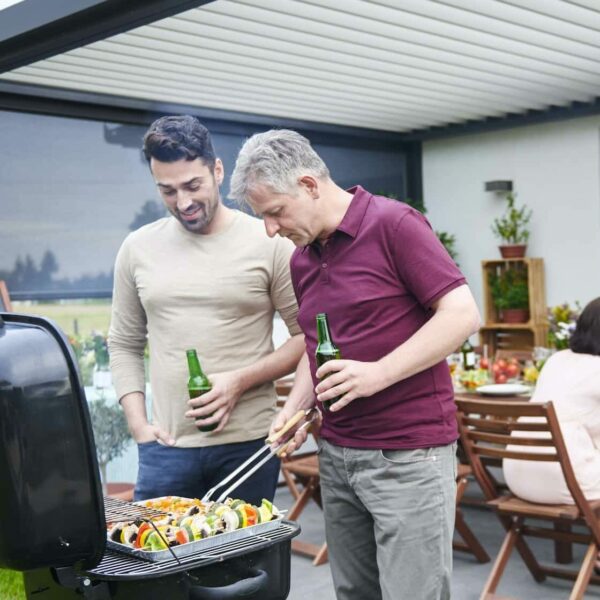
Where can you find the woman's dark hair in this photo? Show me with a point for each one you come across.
(182, 137)
(586, 337)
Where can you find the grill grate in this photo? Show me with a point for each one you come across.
(115, 565)
(120, 510)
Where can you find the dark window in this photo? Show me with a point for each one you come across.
(72, 189)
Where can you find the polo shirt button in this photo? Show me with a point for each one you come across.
(324, 265)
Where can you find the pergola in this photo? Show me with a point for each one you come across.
(407, 69)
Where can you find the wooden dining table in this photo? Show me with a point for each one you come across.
(466, 395)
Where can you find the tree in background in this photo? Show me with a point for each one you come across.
(151, 211)
(48, 266)
(27, 276)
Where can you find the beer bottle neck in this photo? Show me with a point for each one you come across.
(194, 364)
(323, 335)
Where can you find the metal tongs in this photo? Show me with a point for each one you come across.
(309, 414)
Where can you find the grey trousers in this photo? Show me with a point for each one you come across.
(389, 521)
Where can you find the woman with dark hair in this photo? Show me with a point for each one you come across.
(586, 337)
(571, 380)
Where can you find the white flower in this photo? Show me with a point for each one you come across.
(565, 330)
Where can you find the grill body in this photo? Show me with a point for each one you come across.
(51, 507)
(257, 569)
(52, 511)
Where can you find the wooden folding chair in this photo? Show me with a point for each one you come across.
(469, 542)
(485, 429)
(302, 477)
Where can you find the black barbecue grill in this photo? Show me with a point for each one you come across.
(52, 513)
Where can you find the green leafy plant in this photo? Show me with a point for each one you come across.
(110, 432)
(91, 351)
(511, 228)
(509, 289)
(100, 348)
(448, 240)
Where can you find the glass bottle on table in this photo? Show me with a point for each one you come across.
(198, 384)
(467, 353)
(326, 349)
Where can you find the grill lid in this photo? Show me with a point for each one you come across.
(51, 506)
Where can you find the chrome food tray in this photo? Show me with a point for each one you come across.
(199, 545)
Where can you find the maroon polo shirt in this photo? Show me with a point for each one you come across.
(376, 278)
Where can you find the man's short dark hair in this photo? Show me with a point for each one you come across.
(586, 337)
(175, 138)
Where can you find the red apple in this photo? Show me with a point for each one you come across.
(512, 370)
(500, 378)
(501, 363)
(484, 363)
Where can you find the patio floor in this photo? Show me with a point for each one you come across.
(469, 576)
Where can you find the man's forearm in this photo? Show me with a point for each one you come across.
(277, 364)
(302, 394)
(134, 407)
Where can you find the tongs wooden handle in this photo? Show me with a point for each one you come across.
(281, 450)
(287, 426)
(271, 452)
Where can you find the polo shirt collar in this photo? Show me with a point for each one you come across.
(356, 211)
(353, 218)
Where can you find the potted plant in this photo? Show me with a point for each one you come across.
(111, 434)
(511, 229)
(510, 293)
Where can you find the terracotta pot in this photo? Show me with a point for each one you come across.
(513, 250)
(514, 315)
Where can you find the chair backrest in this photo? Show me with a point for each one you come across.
(494, 428)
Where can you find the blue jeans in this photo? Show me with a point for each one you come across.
(389, 520)
(191, 472)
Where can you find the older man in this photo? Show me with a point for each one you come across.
(397, 306)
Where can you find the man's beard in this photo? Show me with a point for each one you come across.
(205, 216)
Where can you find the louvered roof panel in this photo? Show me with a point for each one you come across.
(393, 65)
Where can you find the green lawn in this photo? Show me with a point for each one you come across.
(11, 585)
(85, 315)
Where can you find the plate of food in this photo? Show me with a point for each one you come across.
(188, 525)
(503, 389)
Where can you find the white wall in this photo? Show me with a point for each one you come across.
(555, 169)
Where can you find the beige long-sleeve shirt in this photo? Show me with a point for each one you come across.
(216, 293)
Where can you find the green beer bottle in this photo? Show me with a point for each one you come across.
(326, 349)
(198, 384)
(467, 353)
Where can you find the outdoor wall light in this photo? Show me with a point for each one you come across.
(498, 186)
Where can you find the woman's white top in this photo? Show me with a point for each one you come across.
(572, 382)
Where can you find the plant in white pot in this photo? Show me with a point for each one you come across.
(512, 229)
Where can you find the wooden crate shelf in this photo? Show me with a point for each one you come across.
(515, 336)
